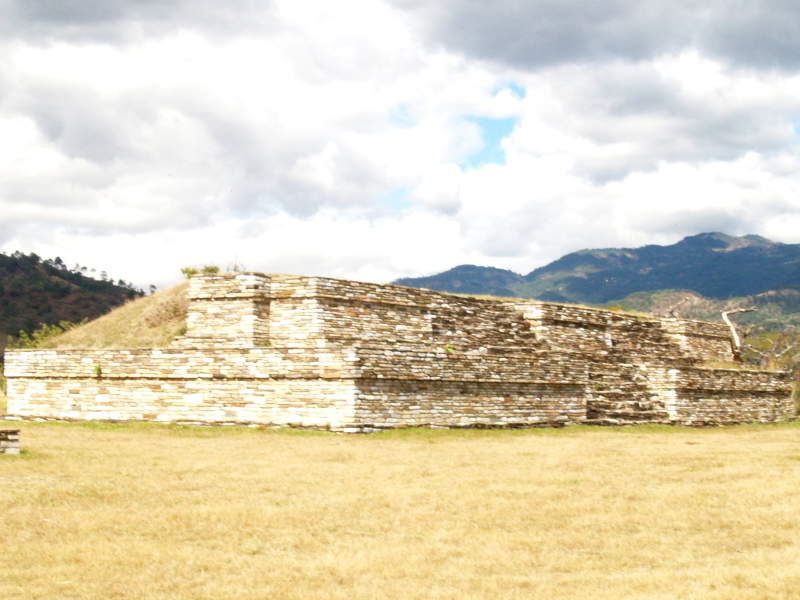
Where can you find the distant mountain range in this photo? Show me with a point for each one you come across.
(714, 265)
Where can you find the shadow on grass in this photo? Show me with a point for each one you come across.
(409, 433)
(23, 455)
(172, 429)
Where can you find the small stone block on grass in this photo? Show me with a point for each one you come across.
(9, 441)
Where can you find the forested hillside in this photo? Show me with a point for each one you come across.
(714, 265)
(469, 279)
(35, 291)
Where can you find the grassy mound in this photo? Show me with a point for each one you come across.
(149, 322)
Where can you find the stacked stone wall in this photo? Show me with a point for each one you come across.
(296, 319)
(624, 392)
(237, 386)
(446, 403)
(9, 441)
(318, 352)
(701, 341)
(352, 313)
(227, 311)
(688, 395)
(569, 328)
(703, 396)
(307, 386)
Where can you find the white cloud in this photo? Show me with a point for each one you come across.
(536, 33)
(138, 137)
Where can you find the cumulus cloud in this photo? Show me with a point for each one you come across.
(376, 139)
(131, 21)
(540, 33)
(619, 118)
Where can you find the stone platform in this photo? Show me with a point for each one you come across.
(349, 356)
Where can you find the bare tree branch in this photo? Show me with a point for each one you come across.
(753, 349)
(671, 310)
(736, 343)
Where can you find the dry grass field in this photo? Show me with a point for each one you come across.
(143, 511)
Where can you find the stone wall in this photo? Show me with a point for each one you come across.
(259, 385)
(9, 441)
(725, 396)
(698, 340)
(317, 352)
(230, 312)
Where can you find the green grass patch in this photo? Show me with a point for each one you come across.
(3, 388)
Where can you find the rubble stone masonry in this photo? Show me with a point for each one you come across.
(349, 356)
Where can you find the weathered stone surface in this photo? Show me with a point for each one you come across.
(9, 441)
(317, 352)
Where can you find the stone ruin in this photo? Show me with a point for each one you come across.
(9, 441)
(278, 350)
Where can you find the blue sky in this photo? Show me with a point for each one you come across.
(493, 132)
